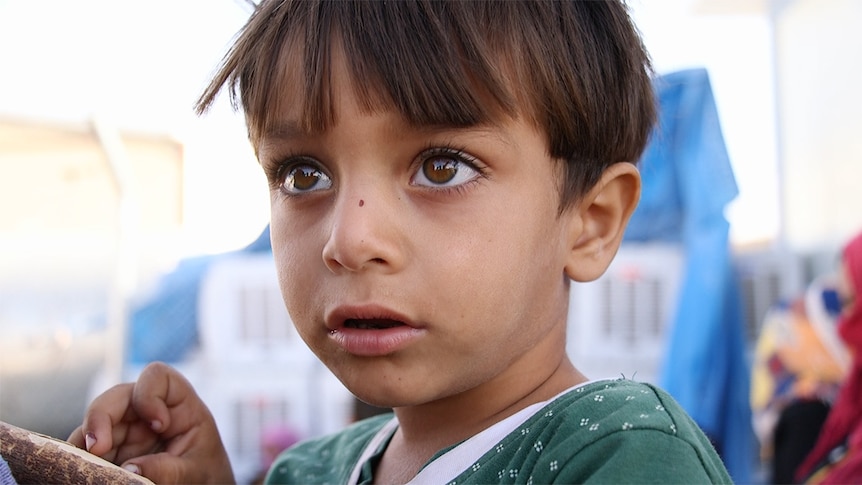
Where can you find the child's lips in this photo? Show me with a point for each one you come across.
(371, 331)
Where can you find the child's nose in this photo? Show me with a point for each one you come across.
(364, 233)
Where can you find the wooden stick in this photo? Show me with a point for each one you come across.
(36, 458)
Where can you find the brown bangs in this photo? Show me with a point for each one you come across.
(576, 69)
(427, 62)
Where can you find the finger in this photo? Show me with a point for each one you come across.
(167, 401)
(138, 440)
(164, 468)
(105, 413)
(77, 438)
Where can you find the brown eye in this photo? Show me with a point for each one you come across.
(440, 170)
(305, 178)
(443, 167)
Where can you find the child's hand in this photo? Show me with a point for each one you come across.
(157, 427)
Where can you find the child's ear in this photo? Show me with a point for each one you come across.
(599, 220)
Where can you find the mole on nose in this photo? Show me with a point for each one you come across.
(361, 202)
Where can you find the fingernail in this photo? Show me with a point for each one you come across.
(131, 467)
(156, 425)
(89, 440)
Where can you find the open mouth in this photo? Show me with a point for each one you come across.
(372, 323)
(372, 330)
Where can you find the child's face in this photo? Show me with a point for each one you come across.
(418, 263)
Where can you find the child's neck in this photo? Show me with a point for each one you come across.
(426, 429)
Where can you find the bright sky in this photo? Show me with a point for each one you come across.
(143, 63)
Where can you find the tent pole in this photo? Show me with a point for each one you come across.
(125, 270)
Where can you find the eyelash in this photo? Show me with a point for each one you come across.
(277, 171)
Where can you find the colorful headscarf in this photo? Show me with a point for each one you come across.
(850, 325)
(844, 424)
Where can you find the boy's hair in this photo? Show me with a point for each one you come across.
(576, 69)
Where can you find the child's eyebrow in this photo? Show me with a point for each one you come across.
(482, 130)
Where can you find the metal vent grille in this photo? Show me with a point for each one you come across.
(632, 310)
(617, 324)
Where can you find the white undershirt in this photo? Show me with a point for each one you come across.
(449, 465)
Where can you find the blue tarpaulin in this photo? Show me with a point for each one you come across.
(164, 326)
(687, 183)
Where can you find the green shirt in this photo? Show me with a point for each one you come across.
(617, 431)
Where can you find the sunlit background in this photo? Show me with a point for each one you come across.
(109, 179)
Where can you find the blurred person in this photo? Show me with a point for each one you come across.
(798, 367)
(837, 454)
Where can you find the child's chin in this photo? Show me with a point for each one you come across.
(384, 398)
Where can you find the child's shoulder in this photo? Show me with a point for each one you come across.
(615, 431)
(620, 398)
(603, 407)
